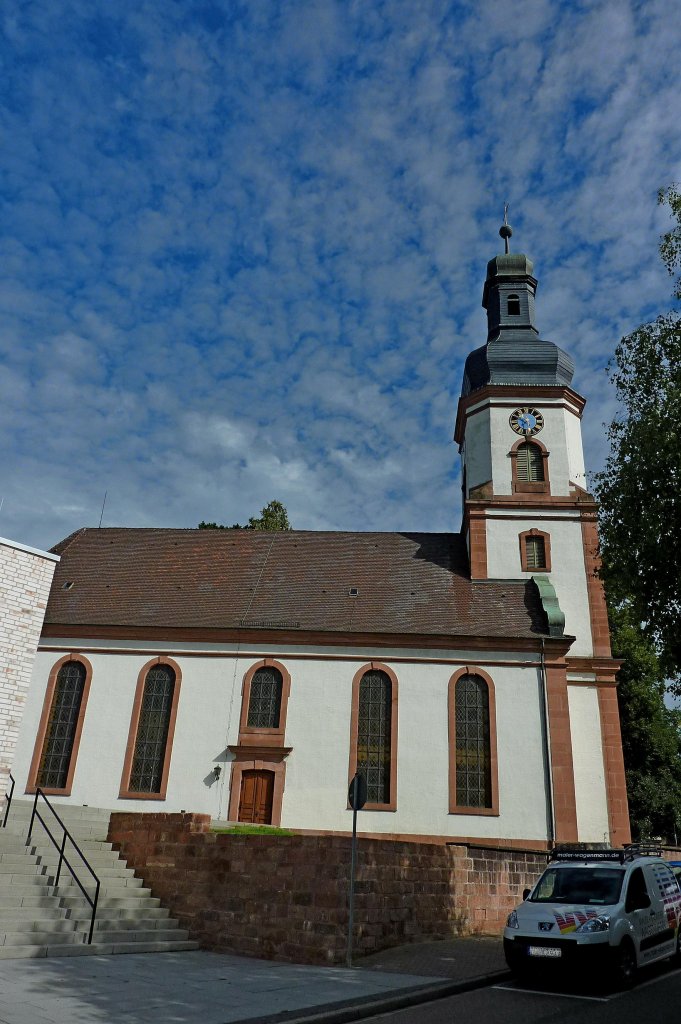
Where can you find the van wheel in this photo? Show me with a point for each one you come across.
(625, 964)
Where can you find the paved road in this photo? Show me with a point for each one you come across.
(655, 1000)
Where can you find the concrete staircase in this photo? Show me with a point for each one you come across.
(38, 919)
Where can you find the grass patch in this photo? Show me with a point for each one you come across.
(253, 830)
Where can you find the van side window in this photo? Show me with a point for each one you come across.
(636, 889)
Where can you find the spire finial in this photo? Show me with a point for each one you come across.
(506, 230)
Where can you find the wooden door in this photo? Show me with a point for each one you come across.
(255, 801)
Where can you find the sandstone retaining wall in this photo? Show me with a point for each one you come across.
(285, 897)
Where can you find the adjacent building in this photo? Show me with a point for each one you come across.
(25, 578)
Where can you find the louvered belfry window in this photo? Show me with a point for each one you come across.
(373, 734)
(264, 704)
(535, 549)
(530, 464)
(152, 731)
(473, 755)
(61, 726)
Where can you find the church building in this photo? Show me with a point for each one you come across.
(249, 675)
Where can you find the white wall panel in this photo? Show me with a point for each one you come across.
(587, 755)
(318, 730)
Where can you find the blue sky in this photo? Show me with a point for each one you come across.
(242, 245)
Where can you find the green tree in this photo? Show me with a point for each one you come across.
(651, 736)
(639, 490)
(670, 244)
(272, 517)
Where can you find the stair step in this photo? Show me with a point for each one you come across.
(27, 866)
(28, 900)
(96, 949)
(108, 873)
(132, 892)
(142, 911)
(49, 924)
(19, 856)
(34, 937)
(135, 924)
(128, 935)
(105, 859)
(114, 902)
(24, 809)
(33, 914)
(22, 883)
(89, 846)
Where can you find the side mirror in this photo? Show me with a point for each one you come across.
(643, 901)
(526, 893)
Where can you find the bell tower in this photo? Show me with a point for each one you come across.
(526, 507)
(527, 514)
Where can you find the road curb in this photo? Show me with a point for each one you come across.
(370, 1006)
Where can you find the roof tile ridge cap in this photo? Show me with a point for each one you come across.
(62, 545)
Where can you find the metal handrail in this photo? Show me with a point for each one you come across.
(63, 858)
(8, 798)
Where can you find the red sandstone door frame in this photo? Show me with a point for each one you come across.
(253, 759)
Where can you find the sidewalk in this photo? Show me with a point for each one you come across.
(212, 988)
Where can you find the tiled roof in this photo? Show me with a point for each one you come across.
(407, 583)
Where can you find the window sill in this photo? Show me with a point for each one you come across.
(127, 795)
(531, 487)
(489, 812)
(32, 790)
(377, 807)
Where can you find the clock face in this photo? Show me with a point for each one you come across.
(526, 421)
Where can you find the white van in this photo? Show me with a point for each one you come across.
(597, 909)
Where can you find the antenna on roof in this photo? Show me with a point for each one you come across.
(102, 515)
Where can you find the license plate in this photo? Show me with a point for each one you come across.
(550, 951)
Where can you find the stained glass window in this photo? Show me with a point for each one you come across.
(61, 726)
(152, 730)
(473, 761)
(264, 705)
(530, 464)
(373, 734)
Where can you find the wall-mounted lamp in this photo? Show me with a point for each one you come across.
(217, 771)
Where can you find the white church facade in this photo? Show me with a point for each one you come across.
(249, 675)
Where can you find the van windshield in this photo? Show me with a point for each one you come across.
(578, 885)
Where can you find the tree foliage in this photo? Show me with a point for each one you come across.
(272, 517)
(651, 736)
(639, 489)
(670, 244)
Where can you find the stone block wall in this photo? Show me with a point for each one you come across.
(25, 579)
(285, 897)
(489, 883)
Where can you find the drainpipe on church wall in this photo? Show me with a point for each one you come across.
(546, 737)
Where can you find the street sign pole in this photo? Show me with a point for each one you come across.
(353, 861)
(357, 796)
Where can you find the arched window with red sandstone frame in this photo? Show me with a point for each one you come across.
(473, 781)
(373, 734)
(56, 749)
(152, 728)
(530, 467)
